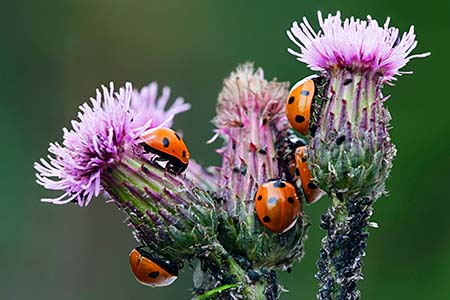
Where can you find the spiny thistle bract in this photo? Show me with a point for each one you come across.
(351, 152)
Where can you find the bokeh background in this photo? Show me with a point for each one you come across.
(54, 54)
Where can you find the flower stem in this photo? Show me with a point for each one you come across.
(340, 262)
(213, 292)
(225, 278)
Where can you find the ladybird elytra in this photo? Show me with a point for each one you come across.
(312, 192)
(148, 272)
(167, 145)
(299, 103)
(277, 205)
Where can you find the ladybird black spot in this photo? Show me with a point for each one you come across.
(154, 274)
(178, 136)
(299, 119)
(272, 201)
(266, 219)
(305, 92)
(184, 153)
(291, 100)
(297, 172)
(279, 184)
(348, 81)
(259, 197)
(340, 139)
(290, 200)
(165, 142)
(312, 186)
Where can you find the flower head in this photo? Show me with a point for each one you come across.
(93, 144)
(251, 119)
(359, 45)
(250, 116)
(110, 124)
(248, 96)
(147, 106)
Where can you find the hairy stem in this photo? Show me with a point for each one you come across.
(340, 262)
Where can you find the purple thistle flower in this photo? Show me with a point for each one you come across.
(356, 44)
(148, 107)
(351, 152)
(108, 126)
(94, 143)
(102, 151)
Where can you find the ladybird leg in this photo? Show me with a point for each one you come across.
(176, 168)
(155, 161)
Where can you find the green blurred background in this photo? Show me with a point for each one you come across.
(55, 53)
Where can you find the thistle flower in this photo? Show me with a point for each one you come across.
(93, 145)
(351, 152)
(148, 106)
(250, 118)
(358, 45)
(102, 152)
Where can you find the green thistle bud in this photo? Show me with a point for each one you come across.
(351, 153)
(168, 213)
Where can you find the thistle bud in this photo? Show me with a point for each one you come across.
(250, 119)
(351, 153)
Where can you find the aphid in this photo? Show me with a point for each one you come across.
(277, 205)
(301, 103)
(168, 146)
(149, 272)
(312, 192)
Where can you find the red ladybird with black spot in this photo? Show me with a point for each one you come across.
(312, 192)
(300, 103)
(149, 272)
(277, 205)
(168, 146)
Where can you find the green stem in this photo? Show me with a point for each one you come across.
(226, 279)
(211, 293)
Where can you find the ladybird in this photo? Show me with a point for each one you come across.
(312, 192)
(168, 146)
(300, 101)
(150, 273)
(277, 205)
